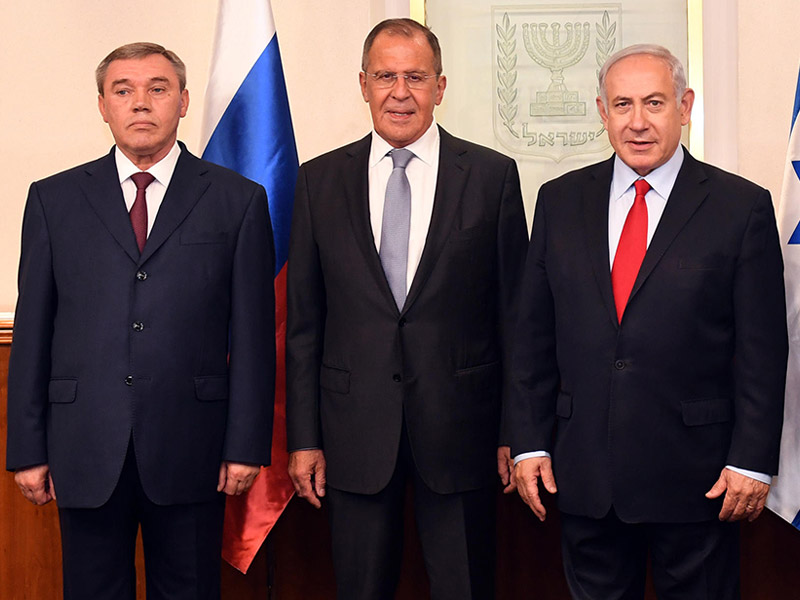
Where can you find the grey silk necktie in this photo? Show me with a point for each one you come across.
(397, 225)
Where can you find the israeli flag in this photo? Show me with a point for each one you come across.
(784, 497)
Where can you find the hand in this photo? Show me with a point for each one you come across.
(745, 497)
(527, 473)
(505, 468)
(307, 470)
(236, 478)
(36, 484)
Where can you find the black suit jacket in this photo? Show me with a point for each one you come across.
(357, 367)
(83, 380)
(648, 412)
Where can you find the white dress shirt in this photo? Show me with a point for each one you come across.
(620, 201)
(162, 171)
(422, 172)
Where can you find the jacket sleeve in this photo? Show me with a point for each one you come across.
(248, 435)
(761, 350)
(305, 325)
(512, 241)
(535, 376)
(29, 365)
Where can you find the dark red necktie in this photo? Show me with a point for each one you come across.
(139, 208)
(631, 249)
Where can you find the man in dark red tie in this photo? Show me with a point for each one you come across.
(141, 375)
(651, 349)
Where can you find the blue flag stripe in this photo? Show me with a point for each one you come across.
(255, 138)
(796, 107)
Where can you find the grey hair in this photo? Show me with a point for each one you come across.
(406, 28)
(675, 67)
(139, 50)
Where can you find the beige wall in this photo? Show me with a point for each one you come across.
(48, 102)
(769, 51)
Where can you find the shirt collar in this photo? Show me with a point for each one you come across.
(425, 148)
(162, 170)
(661, 179)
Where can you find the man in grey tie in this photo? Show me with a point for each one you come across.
(405, 256)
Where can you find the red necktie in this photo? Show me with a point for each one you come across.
(139, 208)
(631, 249)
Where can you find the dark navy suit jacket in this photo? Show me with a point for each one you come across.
(110, 345)
(647, 412)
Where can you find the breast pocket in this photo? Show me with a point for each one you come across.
(189, 238)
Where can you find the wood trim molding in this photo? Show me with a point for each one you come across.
(6, 327)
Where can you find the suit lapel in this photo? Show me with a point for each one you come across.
(102, 189)
(450, 183)
(595, 212)
(186, 187)
(356, 192)
(688, 193)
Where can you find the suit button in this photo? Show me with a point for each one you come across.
(141, 275)
(619, 365)
(129, 380)
(396, 378)
(138, 326)
(402, 322)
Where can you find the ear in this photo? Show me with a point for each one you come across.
(184, 102)
(101, 104)
(601, 108)
(441, 84)
(362, 80)
(685, 107)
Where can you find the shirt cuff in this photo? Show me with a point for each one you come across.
(527, 455)
(762, 477)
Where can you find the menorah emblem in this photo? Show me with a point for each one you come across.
(556, 56)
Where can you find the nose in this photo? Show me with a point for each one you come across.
(141, 100)
(638, 120)
(400, 89)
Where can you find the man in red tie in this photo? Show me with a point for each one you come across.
(650, 359)
(142, 368)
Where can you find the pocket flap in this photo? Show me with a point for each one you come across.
(62, 391)
(209, 389)
(706, 412)
(335, 380)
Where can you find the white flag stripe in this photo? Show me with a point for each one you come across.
(234, 55)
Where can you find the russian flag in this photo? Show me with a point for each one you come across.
(247, 128)
(784, 497)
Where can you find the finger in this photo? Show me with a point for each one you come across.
(512, 483)
(732, 508)
(720, 485)
(502, 471)
(223, 477)
(303, 487)
(548, 478)
(529, 491)
(52, 488)
(248, 483)
(756, 513)
(319, 481)
(39, 496)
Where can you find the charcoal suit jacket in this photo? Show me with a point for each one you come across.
(358, 367)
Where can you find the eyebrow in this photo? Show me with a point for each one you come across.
(654, 95)
(128, 81)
